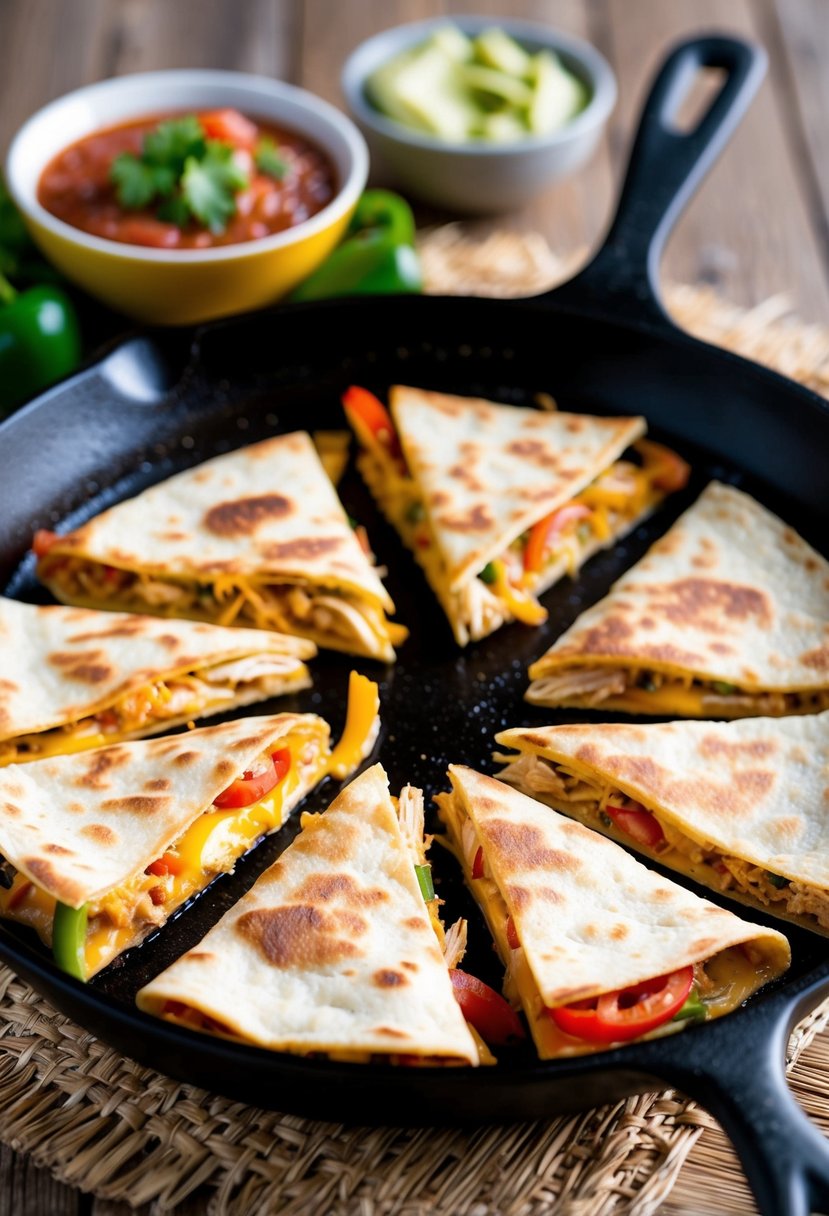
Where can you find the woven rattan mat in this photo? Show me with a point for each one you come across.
(106, 1125)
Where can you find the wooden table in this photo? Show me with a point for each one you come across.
(759, 225)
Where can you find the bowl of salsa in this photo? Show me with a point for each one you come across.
(179, 196)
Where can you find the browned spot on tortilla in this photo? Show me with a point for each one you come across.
(661, 893)
(200, 956)
(158, 783)
(299, 935)
(388, 979)
(520, 897)
(323, 888)
(535, 451)
(535, 740)
(734, 796)
(172, 536)
(95, 775)
(135, 804)
(818, 659)
(703, 561)
(574, 425)
(721, 648)
(439, 499)
(704, 945)
(122, 629)
(478, 519)
(224, 767)
(245, 515)
(619, 932)
(389, 1032)
(169, 641)
(304, 548)
(240, 745)
(701, 602)
(45, 875)
(185, 759)
(753, 749)
(409, 965)
(90, 673)
(12, 809)
(522, 846)
(77, 808)
(57, 849)
(412, 922)
(99, 832)
(8, 686)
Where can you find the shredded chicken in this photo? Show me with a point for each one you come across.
(591, 685)
(410, 815)
(454, 944)
(539, 776)
(250, 669)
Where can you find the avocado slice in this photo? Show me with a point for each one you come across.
(495, 49)
(503, 127)
(422, 89)
(497, 86)
(557, 97)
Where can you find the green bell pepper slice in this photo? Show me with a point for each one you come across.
(39, 341)
(377, 257)
(424, 881)
(69, 939)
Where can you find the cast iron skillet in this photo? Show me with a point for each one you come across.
(162, 401)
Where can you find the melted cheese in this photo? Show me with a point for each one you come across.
(669, 699)
(361, 716)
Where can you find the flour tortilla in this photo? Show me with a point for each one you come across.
(488, 472)
(332, 950)
(80, 826)
(730, 593)
(61, 665)
(265, 513)
(589, 917)
(756, 789)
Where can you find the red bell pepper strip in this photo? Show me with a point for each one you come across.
(542, 533)
(370, 417)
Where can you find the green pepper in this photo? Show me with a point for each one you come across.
(694, 1009)
(69, 939)
(777, 880)
(415, 512)
(724, 689)
(377, 257)
(489, 574)
(424, 878)
(39, 341)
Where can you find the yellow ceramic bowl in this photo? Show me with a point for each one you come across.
(179, 287)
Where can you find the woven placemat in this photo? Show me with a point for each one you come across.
(122, 1132)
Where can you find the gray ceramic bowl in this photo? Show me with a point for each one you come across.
(480, 177)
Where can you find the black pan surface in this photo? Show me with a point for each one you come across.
(160, 402)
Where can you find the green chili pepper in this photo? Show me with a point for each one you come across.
(39, 341)
(648, 684)
(69, 939)
(424, 878)
(694, 1009)
(377, 257)
(724, 689)
(488, 574)
(415, 512)
(777, 880)
(605, 819)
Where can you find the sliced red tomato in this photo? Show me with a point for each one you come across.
(167, 863)
(542, 534)
(43, 541)
(229, 126)
(636, 822)
(512, 934)
(494, 1019)
(368, 414)
(252, 786)
(668, 471)
(478, 864)
(628, 1013)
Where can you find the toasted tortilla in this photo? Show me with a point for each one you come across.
(478, 476)
(255, 537)
(84, 828)
(331, 951)
(742, 805)
(589, 918)
(730, 595)
(63, 667)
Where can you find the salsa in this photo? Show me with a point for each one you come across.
(271, 179)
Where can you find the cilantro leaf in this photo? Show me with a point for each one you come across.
(173, 141)
(174, 210)
(208, 186)
(268, 159)
(135, 182)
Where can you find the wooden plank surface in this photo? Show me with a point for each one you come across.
(759, 226)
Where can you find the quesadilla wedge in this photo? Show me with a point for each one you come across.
(727, 616)
(334, 950)
(497, 502)
(598, 949)
(742, 807)
(100, 849)
(73, 678)
(257, 537)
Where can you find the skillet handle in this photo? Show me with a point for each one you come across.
(666, 166)
(739, 1076)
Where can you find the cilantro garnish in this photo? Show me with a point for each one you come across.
(268, 160)
(188, 175)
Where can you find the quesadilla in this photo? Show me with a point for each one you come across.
(742, 807)
(598, 949)
(497, 502)
(73, 678)
(100, 849)
(726, 616)
(334, 949)
(257, 537)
